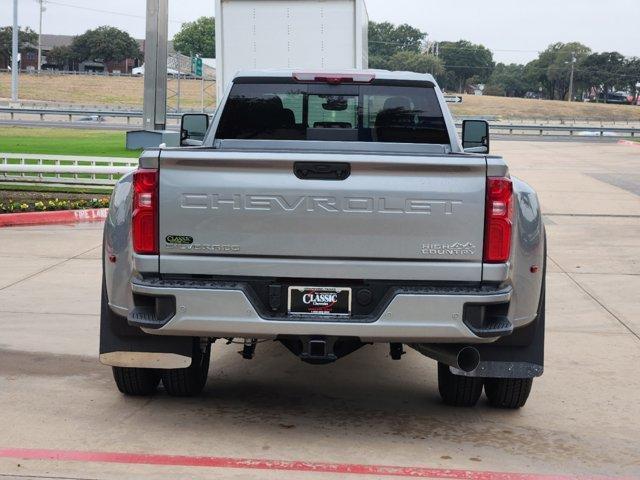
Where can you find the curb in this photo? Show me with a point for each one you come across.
(338, 470)
(49, 218)
(628, 143)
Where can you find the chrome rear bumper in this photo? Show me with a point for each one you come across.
(226, 311)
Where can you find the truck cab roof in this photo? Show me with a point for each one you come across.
(376, 74)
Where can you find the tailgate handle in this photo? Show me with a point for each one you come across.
(321, 171)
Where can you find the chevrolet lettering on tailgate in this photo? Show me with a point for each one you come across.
(311, 204)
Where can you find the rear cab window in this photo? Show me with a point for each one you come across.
(275, 109)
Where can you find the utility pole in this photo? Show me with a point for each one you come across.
(155, 65)
(154, 133)
(41, 2)
(179, 75)
(202, 90)
(14, 54)
(573, 65)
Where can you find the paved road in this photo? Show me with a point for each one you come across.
(582, 417)
(89, 125)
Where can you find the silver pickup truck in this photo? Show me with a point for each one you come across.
(327, 212)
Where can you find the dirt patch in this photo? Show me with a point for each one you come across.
(530, 109)
(100, 90)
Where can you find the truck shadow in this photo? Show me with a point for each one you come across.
(279, 402)
(365, 395)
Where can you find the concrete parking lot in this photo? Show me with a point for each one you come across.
(582, 417)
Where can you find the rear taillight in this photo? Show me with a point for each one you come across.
(498, 220)
(144, 223)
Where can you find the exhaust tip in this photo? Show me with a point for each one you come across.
(468, 359)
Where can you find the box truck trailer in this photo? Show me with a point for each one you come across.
(300, 34)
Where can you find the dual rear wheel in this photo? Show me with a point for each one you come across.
(455, 390)
(178, 382)
(460, 391)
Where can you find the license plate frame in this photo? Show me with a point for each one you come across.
(322, 304)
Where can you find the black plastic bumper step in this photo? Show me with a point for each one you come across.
(147, 317)
(143, 317)
(498, 326)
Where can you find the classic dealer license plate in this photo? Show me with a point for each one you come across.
(319, 301)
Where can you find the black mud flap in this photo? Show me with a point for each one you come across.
(519, 355)
(509, 359)
(116, 335)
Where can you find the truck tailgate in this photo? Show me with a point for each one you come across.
(239, 205)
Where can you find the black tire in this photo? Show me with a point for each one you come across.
(136, 381)
(458, 391)
(508, 393)
(188, 382)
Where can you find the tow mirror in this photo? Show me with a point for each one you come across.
(193, 128)
(475, 136)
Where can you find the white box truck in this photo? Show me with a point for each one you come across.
(301, 34)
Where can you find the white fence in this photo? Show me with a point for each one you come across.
(63, 169)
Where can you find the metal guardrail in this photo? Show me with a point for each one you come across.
(511, 128)
(71, 113)
(63, 169)
(172, 63)
(558, 121)
(540, 129)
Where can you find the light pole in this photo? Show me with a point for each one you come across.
(41, 2)
(155, 65)
(14, 54)
(573, 64)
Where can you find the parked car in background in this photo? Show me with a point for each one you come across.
(139, 72)
(619, 98)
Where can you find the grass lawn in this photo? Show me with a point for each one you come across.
(62, 141)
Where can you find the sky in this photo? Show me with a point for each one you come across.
(515, 30)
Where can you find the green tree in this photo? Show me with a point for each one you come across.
(62, 57)
(559, 72)
(105, 44)
(535, 75)
(27, 38)
(197, 38)
(632, 75)
(416, 62)
(509, 80)
(463, 60)
(552, 68)
(387, 39)
(605, 71)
